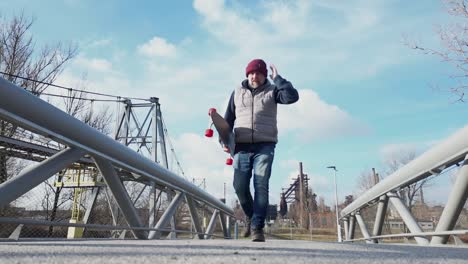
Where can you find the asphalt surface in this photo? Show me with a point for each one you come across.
(220, 251)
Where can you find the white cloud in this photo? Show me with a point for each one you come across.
(289, 163)
(238, 33)
(93, 64)
(390, 151)
(212, 9)
(100, 43)
(312, 119)
(203, 158)
(230, 26)
(158, 47)
(324, 38)
(96, 74)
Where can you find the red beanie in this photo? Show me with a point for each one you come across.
(257, 65)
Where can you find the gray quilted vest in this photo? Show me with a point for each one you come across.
(255, 115)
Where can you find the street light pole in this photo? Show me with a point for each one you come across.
(338, 226)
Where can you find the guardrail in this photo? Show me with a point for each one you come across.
(21, 108)
(450, 152)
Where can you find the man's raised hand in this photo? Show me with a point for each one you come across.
(274, 71)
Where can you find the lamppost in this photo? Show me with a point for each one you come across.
(338, 227)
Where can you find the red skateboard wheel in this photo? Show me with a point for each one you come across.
(209, 132)
(229, 161)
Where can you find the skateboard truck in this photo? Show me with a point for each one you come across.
(209, 131)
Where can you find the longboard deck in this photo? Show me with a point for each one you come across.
(224, 131)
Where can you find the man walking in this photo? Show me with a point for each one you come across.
(252, 114)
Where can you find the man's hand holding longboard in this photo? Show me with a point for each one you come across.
(226, 136)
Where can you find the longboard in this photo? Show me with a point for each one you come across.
(224, 130)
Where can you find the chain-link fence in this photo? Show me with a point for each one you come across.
(76, 202)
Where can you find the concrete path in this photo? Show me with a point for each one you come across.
(220, 251)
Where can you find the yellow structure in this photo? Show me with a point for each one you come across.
(79, 179)
(75, 232)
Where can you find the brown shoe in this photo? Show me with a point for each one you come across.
(246, 232)
(258, 235)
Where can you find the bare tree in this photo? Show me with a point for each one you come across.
(79, 106)
(348, 200)
(75, 104)
(365, 182)
(20, 57)
(410, 193)
(455, 51)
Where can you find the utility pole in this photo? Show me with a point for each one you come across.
(301, 196)
(338, 227)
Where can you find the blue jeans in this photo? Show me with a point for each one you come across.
(256, 158)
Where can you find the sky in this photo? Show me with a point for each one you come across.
(365, 96)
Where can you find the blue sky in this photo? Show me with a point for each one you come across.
(364, 94)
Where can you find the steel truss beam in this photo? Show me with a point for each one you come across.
(380, 217)
(49, 121)
(449, 152)
(193, 214)
(33, 176)
(211, 226)
(363, 227)
(120, 195)
(166, 217)
(455, 203)
(407, 217)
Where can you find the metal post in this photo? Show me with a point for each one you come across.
(212, 224)
(310, 225)
(407, 217)
(301, 196)
(380, 217)
(30, 178)
(162, 139)
(194, 215)
(16, 233)
(166, 217)
(170, 195)
(222, 221)
(128, 110)
(154, 157)
(363, 227)
(120, 195)
(229, 226)
(346, 228)
(162, 145)
(455, 203)
(338, 227)
(352, 226)
(236, 230)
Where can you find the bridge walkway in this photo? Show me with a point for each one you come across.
(221, 251)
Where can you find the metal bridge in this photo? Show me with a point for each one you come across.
(114, 161)
(68, 144)
(449, 153)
